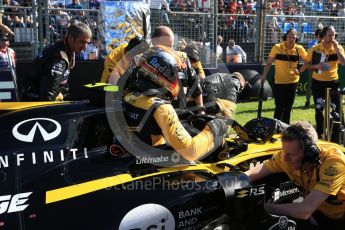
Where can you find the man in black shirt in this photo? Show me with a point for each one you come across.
(53, 65)
(220, 92)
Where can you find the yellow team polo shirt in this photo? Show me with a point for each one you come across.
(331, 58)
(328, 178)
(115, 61)
(199, 69)
(286, 62)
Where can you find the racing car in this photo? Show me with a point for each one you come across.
(60, 168)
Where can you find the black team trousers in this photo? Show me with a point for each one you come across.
(319, 91)
(284, 95)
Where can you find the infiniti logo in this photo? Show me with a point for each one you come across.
(30, 136)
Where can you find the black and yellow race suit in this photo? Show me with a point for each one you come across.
(156, 123)
(116, 62)
(52, 69)
(187, 76)
(220, 92)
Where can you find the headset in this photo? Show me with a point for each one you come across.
(311, 151)
(325, 29)
(287, 32)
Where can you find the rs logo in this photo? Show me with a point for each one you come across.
(14, 204)
(256, 191)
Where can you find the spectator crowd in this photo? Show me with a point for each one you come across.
(18, 16)
(236, 19)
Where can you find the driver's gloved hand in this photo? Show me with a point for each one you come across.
(218, 127)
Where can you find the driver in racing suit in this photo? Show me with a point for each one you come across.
(188, 78)
(148, 105)
(318, 171)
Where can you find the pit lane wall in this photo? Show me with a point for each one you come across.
(86, 72)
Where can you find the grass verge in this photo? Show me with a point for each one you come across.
(249, 110)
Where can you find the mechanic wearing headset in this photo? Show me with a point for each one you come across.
(151, 116)
(118, 60)
(320, 172)
(286, 57)
(220, 91)
(325, 74)
(54, 63)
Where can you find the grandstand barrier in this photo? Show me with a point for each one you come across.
(202, 25)
(91, 71)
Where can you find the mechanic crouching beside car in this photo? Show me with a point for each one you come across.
(220, 91)
(53, 65)
(319, 172)
(150, 115)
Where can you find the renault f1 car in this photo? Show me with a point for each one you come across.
(61, 169)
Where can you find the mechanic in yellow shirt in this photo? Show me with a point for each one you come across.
(286, 56)
(118, 60)
(320, 172)
(325, 74)
(150, 115)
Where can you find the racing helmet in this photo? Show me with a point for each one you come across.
(158, 72)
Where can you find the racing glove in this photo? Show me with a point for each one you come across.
(219, 128)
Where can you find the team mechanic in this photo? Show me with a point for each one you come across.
(151, 116)
(325, 74)
(54, 63)
(319, 172)
(220, 91)
(118, 60)
(286, 57)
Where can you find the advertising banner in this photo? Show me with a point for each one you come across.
(123, 20)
